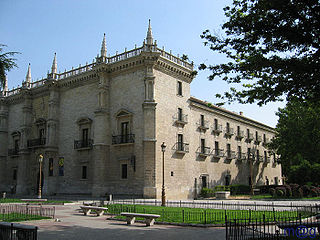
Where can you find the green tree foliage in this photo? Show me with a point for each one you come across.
(273, 50)
(298, 141)
(6, 64)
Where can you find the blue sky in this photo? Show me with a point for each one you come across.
(74, 30)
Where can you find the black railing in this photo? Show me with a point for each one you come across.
(13, 152)
(11, 212)
(36, 142)
(121, 139)
(230, 154)
(15, 231)
(181, 118)
(204, 151)
(181, 147)
(278, 229)
(226, 205)
(218, 152)
(79, 144)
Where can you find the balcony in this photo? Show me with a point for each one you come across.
(265, 142)
(241, 156)
(217, 129)
(239, 135)
(38, 142)
(259, 158)
(203, 125)
(249, 137)
(266, 159)
(258, 140)
(218, 153)
(83, 144)
(182, 148)
(229, 132)
(181, 119)
(123, 139)
(13, 152)
(203, 151)
(230, 155)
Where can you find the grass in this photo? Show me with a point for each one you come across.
(202, 216)
(15, 200)
(18, 217)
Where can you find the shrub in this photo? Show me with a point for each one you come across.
(300, 193)
(272, 191)
(280, 192)
(314, 192)
(306, 190)
(206, 192)
(288, 190)
(239, 189)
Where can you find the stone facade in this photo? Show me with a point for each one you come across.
(100, 128)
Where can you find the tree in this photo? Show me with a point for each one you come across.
(272, 48)
(297, 141)
(6, 64)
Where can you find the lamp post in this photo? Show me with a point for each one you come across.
(163, 194)
(252, 158)
(40, 170)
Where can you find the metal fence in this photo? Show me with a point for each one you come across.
(228, 205)
(18, 212)
(14, 231)
(205, 216)
(283, 228)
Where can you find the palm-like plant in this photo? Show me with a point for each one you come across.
(6, 64)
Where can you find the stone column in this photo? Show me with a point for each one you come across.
(23, 178)
(102, 137)
(3, 143)
(149, 134)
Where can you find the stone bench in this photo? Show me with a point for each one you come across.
(131, 217)
(99, 210)
(222, 194)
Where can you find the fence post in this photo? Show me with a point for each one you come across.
(183, 215)
(264, 225)
(205, 217)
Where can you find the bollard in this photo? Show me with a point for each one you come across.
(4, 195)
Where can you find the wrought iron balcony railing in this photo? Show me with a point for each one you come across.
(181, 118)
(13, 152)
(249, 137)
(204, 151)
(229, 132)
(218, 152)
(181, 147)
(203, 125)
(38, 142)
(217, 129)
(258, 139)
(241, 156)
(240, 135)
(80, 144)
(122, 139)
(230, 154)
(266, 159)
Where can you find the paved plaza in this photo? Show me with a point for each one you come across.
(74, 225)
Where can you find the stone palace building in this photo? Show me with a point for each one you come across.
(100, 128)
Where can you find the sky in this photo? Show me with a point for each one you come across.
(74, 30)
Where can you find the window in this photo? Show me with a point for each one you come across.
(264, 138)
(227, 179)
(16, 145)
(248, 152)
(84, 172)
(180, 142)
(248, 133)
(216, 148)
(50, 167)
(124, 171)
(179, 88)
(228, 149)
(215, 124)
(180, 114)
(85, 136)
(203, 145)
(258, 155)
(42, 133)
(204, 181)
(202, 120)
(14, 175)
(124, 132)
(256, 136)
(228, 127)
(61, 166)
(265, 156)
(238, 130)
(239, 150)
(276, 181)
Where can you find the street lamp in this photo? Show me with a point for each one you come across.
(163, 195)
(251, 159)
(40, 170)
